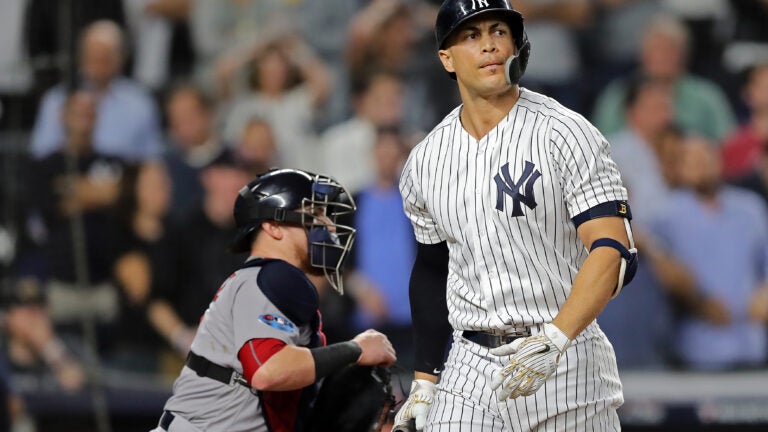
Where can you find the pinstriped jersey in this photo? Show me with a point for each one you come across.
(504, 205)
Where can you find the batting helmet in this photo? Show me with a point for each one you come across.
(296, 197)
(453, 13)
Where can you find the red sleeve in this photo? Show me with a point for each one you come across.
(320, 333)
(255, 353)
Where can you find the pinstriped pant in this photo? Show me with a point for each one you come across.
(581, 396)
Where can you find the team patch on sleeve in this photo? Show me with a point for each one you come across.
(278, 322)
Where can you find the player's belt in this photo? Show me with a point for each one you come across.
(206, 368)
(166, 419)
(492, 340)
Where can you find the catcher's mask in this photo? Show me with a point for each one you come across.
(301, 198)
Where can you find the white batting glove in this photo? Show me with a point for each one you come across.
(534, 359)
(417, 405)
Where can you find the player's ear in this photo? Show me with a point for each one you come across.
(272, 229)
(447, 60)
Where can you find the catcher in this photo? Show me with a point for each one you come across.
(259, 351)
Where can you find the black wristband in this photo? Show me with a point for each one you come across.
(329, 359)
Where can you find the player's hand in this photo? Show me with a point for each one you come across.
(182, 340)
(758, 305)
(534, 359)
(377, 350)
(714, 311)
(417, 405)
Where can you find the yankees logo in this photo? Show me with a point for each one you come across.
(506, 186)
(479, 3)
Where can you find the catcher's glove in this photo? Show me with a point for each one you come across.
(355, 399)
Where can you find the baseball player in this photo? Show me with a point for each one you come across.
(259, 349)
(524, 236)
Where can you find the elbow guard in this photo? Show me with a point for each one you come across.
(628, 265)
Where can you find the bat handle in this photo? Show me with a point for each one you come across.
(410, 426)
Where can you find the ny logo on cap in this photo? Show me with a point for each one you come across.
(506, 186)
(479, 3)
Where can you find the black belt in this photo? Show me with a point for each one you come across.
(166, 419)
(490, 340)
(206, 368)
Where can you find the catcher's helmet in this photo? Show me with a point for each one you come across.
(453, 13)
(295, 197)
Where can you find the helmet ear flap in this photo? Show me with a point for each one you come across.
(515, 66)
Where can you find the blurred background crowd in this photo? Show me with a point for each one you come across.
(128, 127)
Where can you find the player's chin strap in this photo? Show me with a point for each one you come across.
(628, 265)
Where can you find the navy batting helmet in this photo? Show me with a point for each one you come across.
(297, 197)
(453, 13)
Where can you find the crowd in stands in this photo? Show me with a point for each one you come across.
(141, 120)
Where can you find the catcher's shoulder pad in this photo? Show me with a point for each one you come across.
(288, 288)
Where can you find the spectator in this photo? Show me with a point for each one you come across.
(288, 84)
(193, 265)
(256, 150)
(613, 43)
(756, 180)
(721, 235)
(705, 21)
(142, 214)
(193, 144)
(378, 103)
(749, 39)
(324, 26)
(638, 342)
(384, 249)
(649, 109)
(13, 415)
(396, 36)
(670, 150)
(744, 149)
(700, 106)
(225, 32)
(72, 183)
(382, 37)
(551, 26)
(154, 27)
(15, 73)
(31, 337)
(50, 38)
(73, 187)
(127, 124)
(619, 31)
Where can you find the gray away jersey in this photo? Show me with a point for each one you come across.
(504, 205)
(238, 313)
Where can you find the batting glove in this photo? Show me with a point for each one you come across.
(534, 359)
(417, 405)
